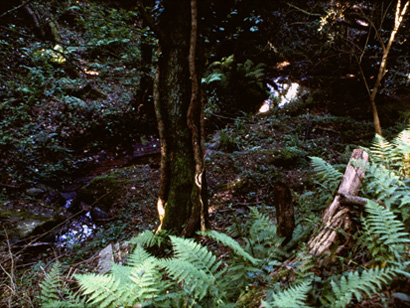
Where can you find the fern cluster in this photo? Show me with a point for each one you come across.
(194, 276)
(55, 293)
(387, 175)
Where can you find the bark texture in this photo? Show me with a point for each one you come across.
(178, 105)
(284, 212)
(336, 215)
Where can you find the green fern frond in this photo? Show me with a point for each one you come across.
(263, 237)
(293, 297)
(55, 295)
(382, 226)
(262, 227)
(231, 243)
(192, 252)
(383, 184)
(121, 273)
(328, 176)
(385, 153)
(196, 282)
(103, 290)
(402, 141)
(148, 282)
(149, 239)
(138, 256)
(49, 286)
(356, 284)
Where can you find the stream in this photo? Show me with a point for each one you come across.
(80, 224)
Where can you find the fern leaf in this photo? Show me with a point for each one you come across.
(384, 152)
(190, 251)
(293, 297)
(387, 228)
(149, 239)
(263, 237)
(148, 282)
(231, 243)
(138, 256)
(196, 282)
(54, 294)
(49, 286)
(326, 173)
(121, 273)
(104, 290)
(356, 284)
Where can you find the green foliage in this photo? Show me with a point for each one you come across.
(234, 86)
(231, 243)
(358, 283)
(328, 176)
(55, 293)
(386, 176)
(384, 234)
(292, 297)
(193, 274)
(328, 179)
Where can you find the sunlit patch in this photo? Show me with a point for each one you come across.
(283, 93)
(91, 73)
(282, 65)
(362, 23)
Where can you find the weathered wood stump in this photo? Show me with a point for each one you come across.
(336, 215)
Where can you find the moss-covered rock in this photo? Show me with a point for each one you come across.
(20, 225)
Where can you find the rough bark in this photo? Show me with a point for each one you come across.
(179, 112)
(336, 215)
(284, 212)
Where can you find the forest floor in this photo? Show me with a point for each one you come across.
(244, 159)
(50, 127)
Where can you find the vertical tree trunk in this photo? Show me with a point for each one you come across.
(399, 14)
(179, 114)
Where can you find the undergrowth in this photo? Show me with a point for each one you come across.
(194, 274)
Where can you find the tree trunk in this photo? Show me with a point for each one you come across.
(181, 206)
(337, 216)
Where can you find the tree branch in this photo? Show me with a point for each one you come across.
(149, 20)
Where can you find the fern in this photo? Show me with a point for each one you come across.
(263, 240)
(194, 265)
(49, 286)
(328, 176)
(103, 290)
(395, 155)
(231, 243)
(384, 232)
(293, 297)
(384, 152)
(148, 282)
(55, 294)
(356, 284)
(149, 239)
(138, 256)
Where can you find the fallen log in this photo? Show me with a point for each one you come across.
(336, 215)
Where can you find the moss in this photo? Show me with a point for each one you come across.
(19, 225)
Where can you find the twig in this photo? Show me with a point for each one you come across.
(16, 8)
(12, 286)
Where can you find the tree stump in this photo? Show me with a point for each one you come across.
(284, 212)
(336, 215)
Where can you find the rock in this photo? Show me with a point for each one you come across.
(20, 225)
(106, 259)
(35, 191)
(98, 214)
